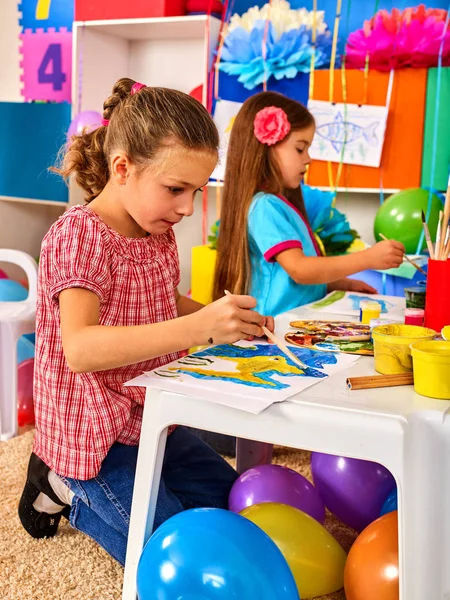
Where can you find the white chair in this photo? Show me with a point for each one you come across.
(16, 319)
(408, 434)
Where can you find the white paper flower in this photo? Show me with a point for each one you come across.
(282, 17)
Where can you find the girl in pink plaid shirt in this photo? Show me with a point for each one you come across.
(108, 309)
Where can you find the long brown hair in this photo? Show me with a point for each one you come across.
(139, 124)
(250, 168)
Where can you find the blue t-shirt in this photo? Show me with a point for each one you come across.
(274, 225)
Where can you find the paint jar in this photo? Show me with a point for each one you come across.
(369, 310)
(415, 296)
(392, 346)
(375, 322)
(414, 316)
(431, 366)
(437, 304)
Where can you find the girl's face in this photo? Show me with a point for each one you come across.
(292, 156)
(160, 195)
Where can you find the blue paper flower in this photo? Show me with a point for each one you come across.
(242, 53)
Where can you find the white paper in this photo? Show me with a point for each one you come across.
(224, 115)
(356, 130)
(348, 303)
(245, 376)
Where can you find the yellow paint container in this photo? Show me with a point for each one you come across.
(431, 361)
(391, 344)
(369, 310)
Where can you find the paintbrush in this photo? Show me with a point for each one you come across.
(445, 223)
(438, 237)
(427, 236)
(411, 262)
(281, 345)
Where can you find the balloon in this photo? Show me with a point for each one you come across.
(274, 483)
(87, 118)
(25, 349)
(390, 504)
(212, 554)
(3, 275)
(25, 406)
(400, 217)
(371, 572)
(354, 490)
(12, 291)
(314, 556)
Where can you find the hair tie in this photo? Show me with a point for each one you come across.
(105, 122)
(136, 87)
(271, 125)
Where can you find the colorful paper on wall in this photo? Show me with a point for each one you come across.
(245, 376)
(224, 115)
(30, 137)
(401, 159)
(442, 150)
(351, 133)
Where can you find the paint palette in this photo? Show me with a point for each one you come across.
(332, 336)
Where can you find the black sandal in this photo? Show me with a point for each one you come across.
(39, 524)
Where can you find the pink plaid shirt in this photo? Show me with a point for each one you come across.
(80, 415)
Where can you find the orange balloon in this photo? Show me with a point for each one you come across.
(371, 571)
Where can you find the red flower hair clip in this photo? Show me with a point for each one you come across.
(271, 125)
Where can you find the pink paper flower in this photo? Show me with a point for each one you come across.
(271, 125)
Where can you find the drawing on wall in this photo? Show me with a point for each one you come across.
(331, 336)
(247, 376)
(349, 132)
(348, 303)
(224, 114)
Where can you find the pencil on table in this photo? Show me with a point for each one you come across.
(379, 381)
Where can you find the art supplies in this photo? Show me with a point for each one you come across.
(431, 361)
(437, 303)
(246, 376)
(441, 249)
(427, 236)
(415, 296)
(369, 310)
(379, 381)
(348, 303)
(331, 336)
(414, 316)
(405, 257)
(392, 346)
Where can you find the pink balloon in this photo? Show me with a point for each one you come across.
(25, 406)
(3, 275)
(88, 118)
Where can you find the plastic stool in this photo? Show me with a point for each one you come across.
(16, 319)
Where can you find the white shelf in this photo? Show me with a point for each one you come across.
(160, 28)
(33, 201)
(340, 190)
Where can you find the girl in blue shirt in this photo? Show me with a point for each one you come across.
(266, 247)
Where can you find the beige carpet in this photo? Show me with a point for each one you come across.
(70, 565)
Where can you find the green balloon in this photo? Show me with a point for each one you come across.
(400, 217)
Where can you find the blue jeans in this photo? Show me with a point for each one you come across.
(193, 475)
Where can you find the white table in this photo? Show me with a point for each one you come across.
(407, 433)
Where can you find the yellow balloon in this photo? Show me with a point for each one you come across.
(316, 559)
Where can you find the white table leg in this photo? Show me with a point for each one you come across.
(250, 453)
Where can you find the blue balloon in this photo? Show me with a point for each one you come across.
(25, 349)
(213, 554)
(12, 291)
(390, 504)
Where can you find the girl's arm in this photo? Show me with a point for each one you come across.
(186, 306)
(351, 285)
(326, 269)
(90, 347)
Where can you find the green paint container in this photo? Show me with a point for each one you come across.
(415, 297)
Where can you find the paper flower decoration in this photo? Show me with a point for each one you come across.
(396, 39)
(329, 225)
(287, 41)
(271, 125)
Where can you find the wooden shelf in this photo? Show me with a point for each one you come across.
(176, 28)
(340, 190)
(34, 201)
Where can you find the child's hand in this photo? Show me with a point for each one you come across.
(386, 255)
(355, 285)
(227, 320)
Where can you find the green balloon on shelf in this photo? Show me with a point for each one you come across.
(400, 217)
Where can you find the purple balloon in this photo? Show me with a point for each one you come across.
(274, 483)
(87, 118)
(354, 490)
